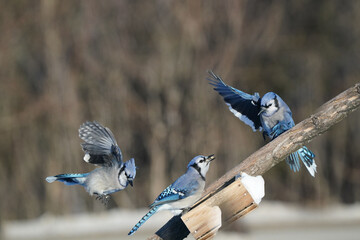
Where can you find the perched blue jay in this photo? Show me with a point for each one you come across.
(183, 193)
(269, 114)
(100, 148)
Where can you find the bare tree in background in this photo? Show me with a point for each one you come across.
(139, 67)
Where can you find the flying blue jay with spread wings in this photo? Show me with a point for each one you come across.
(183, 193)
(269, 114)
(101, 149)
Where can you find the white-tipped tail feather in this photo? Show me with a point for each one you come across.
(51, 179)
(254, 185)
(312, 168)
(86, 157)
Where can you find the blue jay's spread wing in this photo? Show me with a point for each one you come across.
(99, 145)
(244, 106)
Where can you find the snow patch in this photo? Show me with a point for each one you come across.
(254, 185)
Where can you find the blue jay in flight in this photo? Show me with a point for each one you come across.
(101, 149)
(269, 114)
(183, 193)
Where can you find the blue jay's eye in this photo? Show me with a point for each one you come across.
(267, 105)
(202, 160)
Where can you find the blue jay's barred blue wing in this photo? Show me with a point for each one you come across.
(69, 178)
(143, 220)
(244, 106)
(306, 156)
(170, 194)
(99, 145)
(280, 128)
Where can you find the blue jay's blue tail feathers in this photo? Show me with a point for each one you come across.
(143, 220)
(69, 178)
(306, 156)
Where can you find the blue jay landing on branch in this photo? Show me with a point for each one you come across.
(100, 148)
(269, 114)
(183, 193)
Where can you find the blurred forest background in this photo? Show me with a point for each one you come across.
(139, 68)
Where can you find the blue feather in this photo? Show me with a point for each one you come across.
(245, 106)
(69, 178)
(306, 156)
(143, 220)
(170, 194)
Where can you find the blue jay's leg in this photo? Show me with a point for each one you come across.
(143, 220)
(103, 198)
(69, 178)
(264, 135)
(306, 156)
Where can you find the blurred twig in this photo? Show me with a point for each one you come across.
(273, 153)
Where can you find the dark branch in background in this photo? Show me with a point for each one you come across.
(274, 152)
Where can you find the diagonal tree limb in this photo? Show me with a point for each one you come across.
(274, 152)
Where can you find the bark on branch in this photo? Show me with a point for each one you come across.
(275, 151)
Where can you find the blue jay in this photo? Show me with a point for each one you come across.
(269, 114)
(101, 149)
(183, 193)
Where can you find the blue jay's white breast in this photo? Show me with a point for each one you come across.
(187, 202)
(268, 122)
(102, 180)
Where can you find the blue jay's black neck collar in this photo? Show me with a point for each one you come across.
(276, 102)
(197, 168)
(121, 170)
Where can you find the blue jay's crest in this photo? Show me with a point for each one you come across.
(201, 159)
(244, 106)
(99, 145)
(195, 160)
(130, 168)
(268, 97)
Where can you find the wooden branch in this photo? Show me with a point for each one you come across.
(275, 151)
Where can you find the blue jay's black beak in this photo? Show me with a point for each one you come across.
(210, 158)
(262, 109)
(131, 183)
